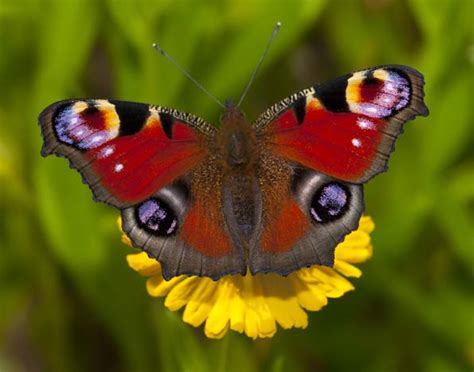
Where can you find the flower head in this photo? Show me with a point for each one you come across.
(254, 305)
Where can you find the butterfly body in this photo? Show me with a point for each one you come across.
(272, 196)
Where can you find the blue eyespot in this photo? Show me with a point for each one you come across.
(330, 202)
(157, 217)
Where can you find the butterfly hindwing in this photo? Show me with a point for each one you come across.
(183, 227)
(345, 128)
(305, 215)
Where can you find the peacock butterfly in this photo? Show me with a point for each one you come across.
(274, 196)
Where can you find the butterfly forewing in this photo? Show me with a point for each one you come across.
(125, 151)
(346, 128)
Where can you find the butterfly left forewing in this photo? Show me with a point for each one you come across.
(124, 151)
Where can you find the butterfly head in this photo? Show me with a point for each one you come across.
(232, 114)
(236, 137)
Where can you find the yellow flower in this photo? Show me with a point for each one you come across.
(254, 305)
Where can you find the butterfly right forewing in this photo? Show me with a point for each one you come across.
(347, 127)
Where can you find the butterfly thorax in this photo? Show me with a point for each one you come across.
(235, 139)
(236, 143)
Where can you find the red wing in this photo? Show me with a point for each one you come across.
(284, 228)
(345, 128)
(305, 214)
(183, 227)
(124, 151)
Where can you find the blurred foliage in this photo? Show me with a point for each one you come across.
(68, 301)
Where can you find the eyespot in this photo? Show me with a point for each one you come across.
(330, 202)
(156, 217)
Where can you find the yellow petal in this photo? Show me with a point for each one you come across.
(266, 322)
(218, 318)
(355, 254)
(179, 294)
(347, 269)
(237, 309)
(157, 286)
(200, 303)
(327, 279)
(311, 297)
(125, 239)
(355, 240)
(259, 320)
(282, 302)
(366, 224)
(143, 264)
(218, 335)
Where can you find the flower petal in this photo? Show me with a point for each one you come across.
(159, 287)
(309, 296)
(282, 302)
(238, 309)
(125, 239)
(200, 302)
(143, 264)
(366, 224)
(347, 269)
(179, 293)
(327, 279)
(218, 319)
(259, 321)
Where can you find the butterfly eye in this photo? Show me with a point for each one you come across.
(329, 202)
(157, 217)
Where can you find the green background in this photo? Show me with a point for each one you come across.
(68, 301)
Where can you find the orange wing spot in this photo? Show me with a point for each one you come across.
(381, 74)
(79, 106)
(313, 103)
(203, 230)
(153, 120)
(110, 116)
(283, 231)
(353, 87)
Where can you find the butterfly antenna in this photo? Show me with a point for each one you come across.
(164, 54)
(252, 78)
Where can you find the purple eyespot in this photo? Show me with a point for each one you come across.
(156, 217)
(330, 202)
(85, 130)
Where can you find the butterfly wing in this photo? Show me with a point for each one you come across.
(153, 164)
(338, 134)
(346, 128)
(125, 151)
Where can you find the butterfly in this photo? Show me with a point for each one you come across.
(269, 197)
